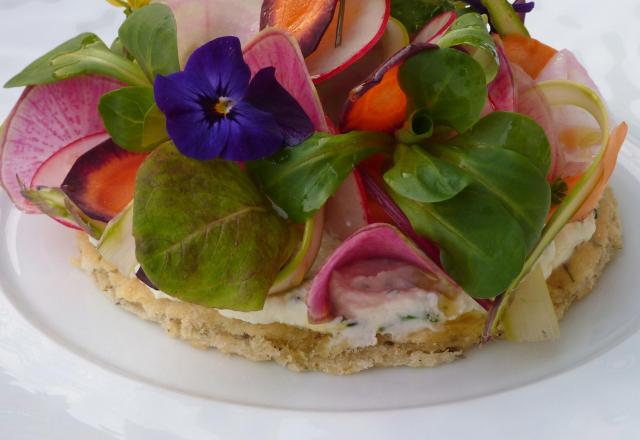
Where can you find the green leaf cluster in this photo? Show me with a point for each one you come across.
(204, 233)
(301, 179)
(482, 196)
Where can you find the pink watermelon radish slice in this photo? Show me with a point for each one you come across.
(502, 90)
(376, 250)
(364, 25)
(102, 181)
(345, 211)
(200, 21)
(274, 47)
(53, 171)
(306, 20)
(435, 29)
(533, 103)
(46, 119)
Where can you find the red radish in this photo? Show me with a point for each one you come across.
(306, 20)
(345, 211)
(102, 181)
(386, 246)
(274, 47)
(502, 90)
(436, 28)
(200, 21)
(53, 171)
(335, 91)
(364, 24)
(46, 119)
(532, 102)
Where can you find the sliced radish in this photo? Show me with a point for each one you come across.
(335, 91)
(378, 249)
(274, 47)
(102, 181)
(53, 171)
(502, 90)
(46, 119)
(436, 28)
(364, 24)
(532, 102)
(306, 20)
(200, 21)
(345, 211)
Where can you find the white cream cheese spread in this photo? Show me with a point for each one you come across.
(399, 315)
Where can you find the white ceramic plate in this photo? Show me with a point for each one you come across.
(72, 365)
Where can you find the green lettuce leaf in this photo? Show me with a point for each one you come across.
(301, 179)
(132, 118)
(204, 233)
(448, 83)
(150, 36)
(482, 245)
(85, 54)
(422, 177)
(471, 30)
(511, 179)
(511, 131)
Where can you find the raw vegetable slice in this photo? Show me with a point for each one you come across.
(528, 53)
(46, 119)
(502, 90)
(306, 20)
(199, 21)
(54, 170)
(505, 18)
(531, 316)
(364, 24)
(533, 103)
(436, 28)
(102, 181)
(380, 104)
(117, 244)
(567, 93)
(380, 242)
(295, 270)
(274, 48)
(345, 210)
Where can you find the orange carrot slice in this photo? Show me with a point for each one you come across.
(528, 53)
(381, 108)
(616, 140)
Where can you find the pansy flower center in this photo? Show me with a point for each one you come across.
(223, 106)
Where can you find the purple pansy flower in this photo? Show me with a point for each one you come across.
(215, 110)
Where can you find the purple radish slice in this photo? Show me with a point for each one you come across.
(502, 90)
(306, 20)
(532, 102)
(364, 25)
(275, 48)
(200, 21)
(436, 28)
(53, 171)
(378, 250)
(46, 119)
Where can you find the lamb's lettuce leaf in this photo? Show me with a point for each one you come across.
(422, 177)
(204, 233)
(414, 14)
(85, 54)
(301, 179)
(448, 83)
